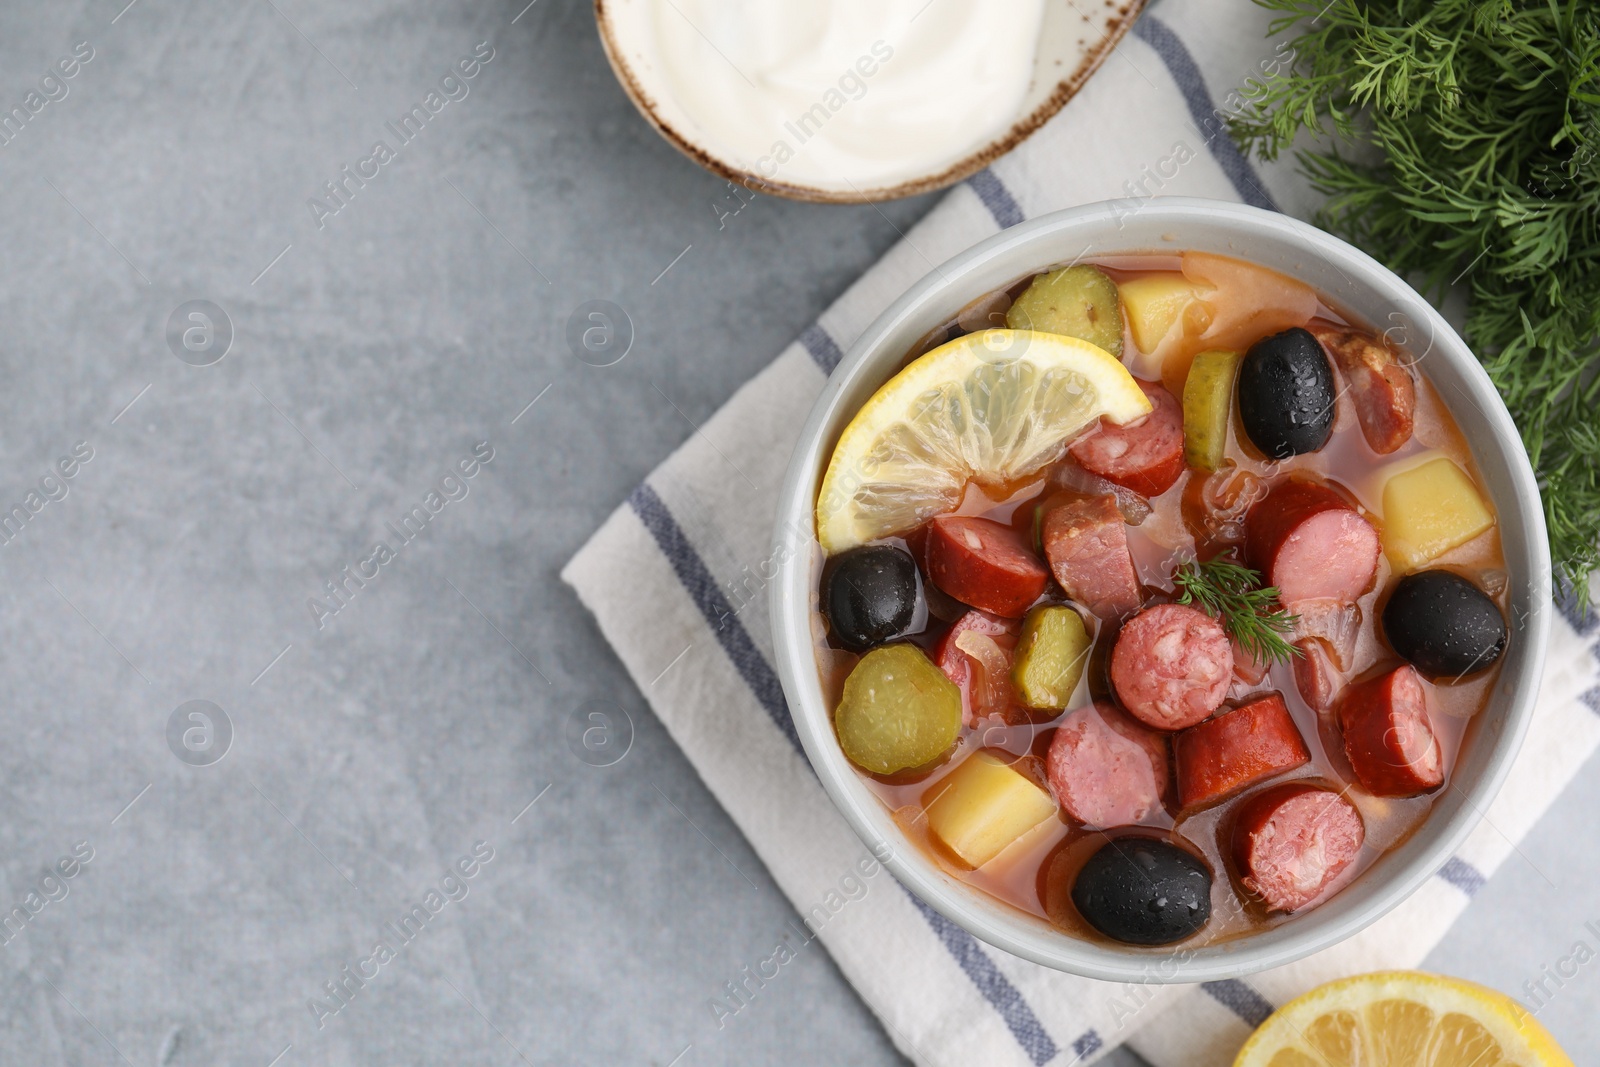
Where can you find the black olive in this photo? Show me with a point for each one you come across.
(1443, 624)
(1143, 891)
(1286, 394)
(871, 596)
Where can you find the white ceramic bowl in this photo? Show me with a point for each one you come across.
(1070, 49)
(1349, 280)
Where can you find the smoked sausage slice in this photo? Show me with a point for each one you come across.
(1235, 750)
(1388, 735)
(1171, 666)
(1382, 389)
(1308, 541)
(1106, 769)
(1291, 841)
(985, 564)
(1145, 456)
(1087, 547)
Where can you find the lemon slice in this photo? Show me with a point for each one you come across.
(994, 407)
(1401, 1019)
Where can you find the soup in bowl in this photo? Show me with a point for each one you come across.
(1178, 592)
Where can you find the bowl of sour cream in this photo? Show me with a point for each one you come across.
(852, 100)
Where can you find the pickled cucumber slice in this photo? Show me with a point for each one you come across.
(1079, 301)
(1207, 406)
(898, 711)
(1050, 657)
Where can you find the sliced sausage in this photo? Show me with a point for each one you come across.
(958, 666)
(1146, 455)
(1310, 543)
(985, 564)
(1106, 769)
(1382, 389)
(1388, 734)
(1235, 750)
(1315, 674)
(1087, 546)
(1171, 666)
(1291, 841)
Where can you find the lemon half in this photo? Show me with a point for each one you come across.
(994, 407)
(1401, 1019)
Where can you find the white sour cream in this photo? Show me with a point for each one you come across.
(847, 93)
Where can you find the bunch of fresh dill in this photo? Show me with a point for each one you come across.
(1485, 117)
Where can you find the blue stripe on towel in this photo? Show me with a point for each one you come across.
(1240, 999)
(718, 614)
(996, 197)
(1087, 1042)
(714, 607)
(822, 349)
(1463, 875)
(1181, 65)
(995, 987)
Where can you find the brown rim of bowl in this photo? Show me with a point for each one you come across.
(1122, 21)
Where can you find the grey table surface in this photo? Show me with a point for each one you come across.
(369, 750)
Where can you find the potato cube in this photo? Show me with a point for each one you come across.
(1153, 303)
(983, 806)
(1428, 510)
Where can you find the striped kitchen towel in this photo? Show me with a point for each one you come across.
(676, 579)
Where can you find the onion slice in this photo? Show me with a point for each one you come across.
(991, 679)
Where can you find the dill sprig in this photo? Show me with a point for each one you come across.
(1233, 594)
(1472, 137)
